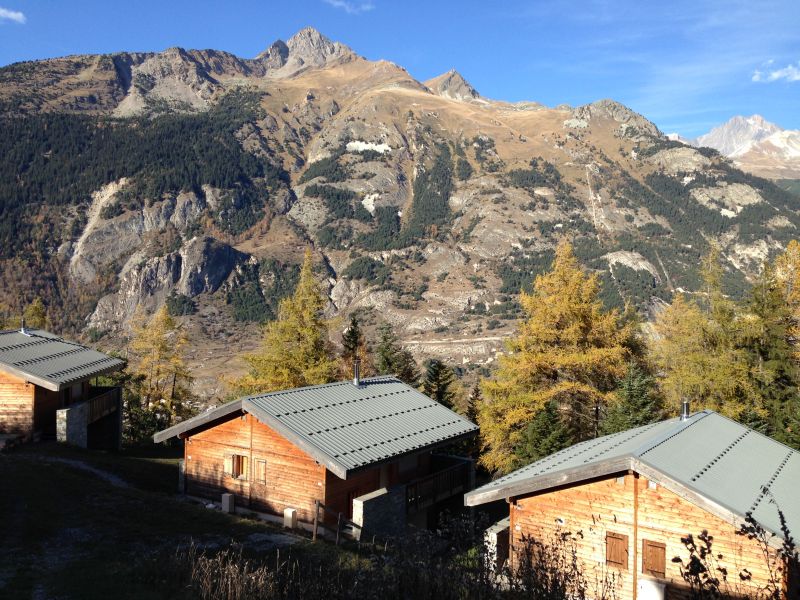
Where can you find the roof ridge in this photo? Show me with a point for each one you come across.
(323, 385)
(681, 427)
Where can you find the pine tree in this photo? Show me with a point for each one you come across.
(354, 345)
(438, 381)
(637, 404)
(296, 350)
(543, 436)
(392, 359)
(158, 371)
(568, 350)
(352, 340)
(473, 402)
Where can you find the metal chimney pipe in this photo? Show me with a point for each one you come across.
(22, 329)
(357, 372)
(685, 410)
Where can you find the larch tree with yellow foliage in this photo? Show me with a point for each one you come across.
(158, 391)
(296, 350)
(565, 363)
(699, 352)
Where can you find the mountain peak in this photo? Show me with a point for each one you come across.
(738, 134)
(452, 85)
(307, 48)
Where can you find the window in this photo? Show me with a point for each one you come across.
(236, 466)
(260, 471)
(617, 550)
(654, 559)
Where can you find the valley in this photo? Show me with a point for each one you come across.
(197, 179)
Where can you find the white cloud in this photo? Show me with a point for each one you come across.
(351, 8)
(12, 15)
(788, 73)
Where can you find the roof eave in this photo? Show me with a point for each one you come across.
(537, 483)
(54, 386)
(199, 421)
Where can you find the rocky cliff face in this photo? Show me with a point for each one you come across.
(427, 205)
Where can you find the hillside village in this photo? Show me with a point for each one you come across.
(302, 326)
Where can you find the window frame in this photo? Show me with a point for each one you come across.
(259, 469)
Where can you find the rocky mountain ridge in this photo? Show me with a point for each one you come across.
(197, 178)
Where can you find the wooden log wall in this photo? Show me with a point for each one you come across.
(16, 405)
(293, 479)
(627, 505)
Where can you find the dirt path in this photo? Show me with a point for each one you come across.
(114, 480)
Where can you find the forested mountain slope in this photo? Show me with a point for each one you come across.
(197, 178)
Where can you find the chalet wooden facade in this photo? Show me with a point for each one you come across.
(365, 450)
(46, 391)
(628, 500)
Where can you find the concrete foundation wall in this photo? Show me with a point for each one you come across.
(72, 425)
(382, 512)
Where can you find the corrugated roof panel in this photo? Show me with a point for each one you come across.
(691, 447)
(784, 495)
(356, 426)
(49, 361)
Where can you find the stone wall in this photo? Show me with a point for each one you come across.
(72, 426)
(382, 512)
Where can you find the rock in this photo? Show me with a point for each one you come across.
(610, 109)
(201, 266)
(452, 85)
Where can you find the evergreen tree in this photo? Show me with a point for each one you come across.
(296, 350)
(568, 351)
(392, 359)
(543, 436)
(352, 340)
(354, 345)
(638, 402)
(438, 382)
(473, 402)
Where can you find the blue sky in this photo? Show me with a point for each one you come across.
(685, 65)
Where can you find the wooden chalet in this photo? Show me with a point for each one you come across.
(630, 497)
(46, 391)
(364, 449)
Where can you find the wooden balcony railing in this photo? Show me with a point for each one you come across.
(427, 491)
(104, 403)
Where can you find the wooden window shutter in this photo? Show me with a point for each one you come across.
(260, 471)
(228, 468)
(654, 559)
(617, 550)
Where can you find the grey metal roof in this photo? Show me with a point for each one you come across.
(348, 428)
(49, 361)
(725, 467)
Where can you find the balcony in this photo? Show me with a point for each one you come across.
(102, 402)
(82, 423)
(455, 477)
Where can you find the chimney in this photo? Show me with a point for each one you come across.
(22, 329)
(685, 410)
(357, 372)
